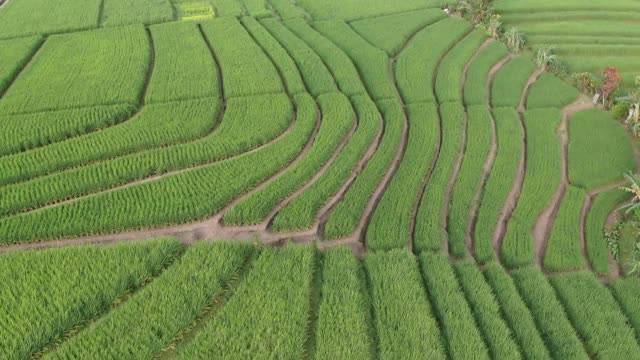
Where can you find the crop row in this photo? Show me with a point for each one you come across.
(510, 81)
(257, 8)
(475, 87)
(468, 180)
(625, 292)
(314, 72)
(528, 6)
(564, 248)
(286, 66)
(155, 126)
(337, 119)
(391, 221)
(498, 337)
(27, 131)
(231, 138)
(570, 40)
(248, 325)
(178, 198)
(583, 28)
(596, 316)
(45, 294)
(227, 8)
(286, 9)
(246, 69)
(337, 62)
(417, 64)
(302, 212)
(429, 219)
(347, 214)
(597, 248)
(540, 182)
(556, 330)
(376, 30)
(16, 54)
(372, 63)
(501, 179)
(144, 325)
(583, 14)
(592, 50)
(447, 86)
(458, 324)
(599, 150)
(126, 12)
(549, 91)
(47, 85)
(353, 9)
(183, 66)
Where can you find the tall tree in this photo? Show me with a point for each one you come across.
(610, 82)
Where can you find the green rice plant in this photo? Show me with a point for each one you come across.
(556, 330)
(184, 67)
(194, 11)
(229, 8)
(376, 30)
(154, 126)
(540, 182)
(372, 63)
(348, 213)
(231, 139)
(354, 9)
(596, 64)
(314, 72)
(338, 118)
(287, 9)
(576, 40)
(499, 183)
(582, 27)
(47, 85)
(464, 340)
(510, 81)
(563, 249)
(47, 293)
(285, 64)
(302, 212)
(126, 12)
(23, 18)
(429, 219)
(391, 221)
(467, 183)
(599, 149)
(605, 50)
(406, 326)
(257, 8)
(596, 316)
(246, 69)
(15, 55)
(597, 248)
(338, 63)
(515, 6)
(515, 312)
(475, 87)
(486, 311)
(541, 15)
(178, 198)
(625, 291)
(447, 86)
(248, 325)
(27, 131)
(343, 327)
(549, 91)
(153, 317)
(418, 62)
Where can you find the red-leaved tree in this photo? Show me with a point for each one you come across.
(610, 82)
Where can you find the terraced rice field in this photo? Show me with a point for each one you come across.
(588, 35)
(452, 197)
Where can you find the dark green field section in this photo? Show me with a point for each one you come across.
(209, 300)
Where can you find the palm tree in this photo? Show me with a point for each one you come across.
(494, 24)
(515, 39)
(633, 188)
(633, 98)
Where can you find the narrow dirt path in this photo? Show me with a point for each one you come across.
(3, 3)
(461, 152)
(514, 194)
(544, 225)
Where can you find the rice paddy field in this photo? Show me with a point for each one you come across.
(588, 35)
(238, 179)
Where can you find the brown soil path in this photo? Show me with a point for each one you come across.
(3, 3)
(461, 151)
(544, 225)
(514, 195)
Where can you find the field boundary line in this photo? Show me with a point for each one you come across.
(30, 59)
